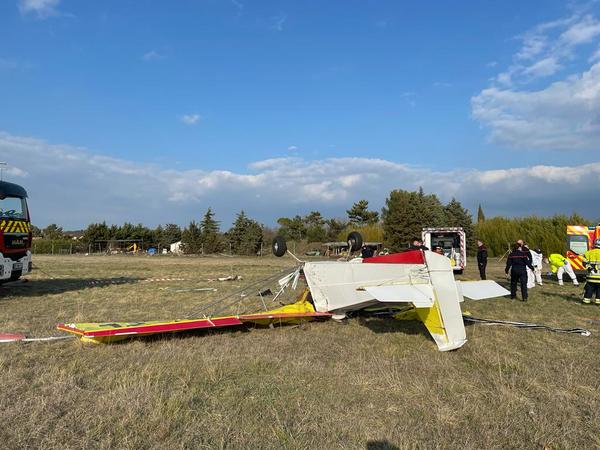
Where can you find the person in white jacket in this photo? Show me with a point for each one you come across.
(537, 258)
(530, 273)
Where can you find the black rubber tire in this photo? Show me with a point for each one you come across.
(356, 241)
(279, 246)
(459, 272)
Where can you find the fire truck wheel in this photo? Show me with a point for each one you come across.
(460, 272)
(279, 246)
(356, 241)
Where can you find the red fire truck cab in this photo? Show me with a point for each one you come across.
(15, 232)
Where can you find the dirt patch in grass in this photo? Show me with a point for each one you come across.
(371, 383)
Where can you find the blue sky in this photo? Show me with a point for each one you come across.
(133, 108)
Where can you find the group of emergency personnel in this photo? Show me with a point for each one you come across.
(524, 267)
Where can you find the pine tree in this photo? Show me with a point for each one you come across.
(245, 236)
(210, 238)
(335, 227)
(457, 216)
(406, 214)
(315, 229)
(360, 215)
(96, 232)
(292, 229)
(480, 215)
(53, 232)
(191, 241)
(171, 234)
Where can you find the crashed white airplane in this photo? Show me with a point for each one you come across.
(424, 280)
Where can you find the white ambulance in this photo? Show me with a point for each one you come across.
(453, 244)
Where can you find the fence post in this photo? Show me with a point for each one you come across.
(71, 250)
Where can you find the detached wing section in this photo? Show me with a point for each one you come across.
(479, 290)
(297, 312)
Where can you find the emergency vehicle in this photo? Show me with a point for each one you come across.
(453, 242)
(15, 232)
(580, 239)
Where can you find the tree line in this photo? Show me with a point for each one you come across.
(545, 233)
(401, 219)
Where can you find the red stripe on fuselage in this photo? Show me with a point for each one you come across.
(410, 257)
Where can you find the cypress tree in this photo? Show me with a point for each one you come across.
(480, 215)
(209, 236)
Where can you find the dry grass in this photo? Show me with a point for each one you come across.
(372, 383)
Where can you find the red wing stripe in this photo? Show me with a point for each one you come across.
(161, 328)
(216, 322)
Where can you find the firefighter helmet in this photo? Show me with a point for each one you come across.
(597, 243)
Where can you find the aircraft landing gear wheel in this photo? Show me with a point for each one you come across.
(279, 246)
(356, 241)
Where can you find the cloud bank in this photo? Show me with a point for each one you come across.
(562, 111)
(73, 186)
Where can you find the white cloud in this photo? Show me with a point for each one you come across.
(581, 32)
(562, 115)
(41, 8)
(292, 148)
(8, 64)
(190, 119)
(239, 6)
(543, 67)
(73, 186)
(278, 22)
(153, 55)
(548, 48)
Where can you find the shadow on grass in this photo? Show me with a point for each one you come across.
(391, 325)
(381, 445)
(32, 288)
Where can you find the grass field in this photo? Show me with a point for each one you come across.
(369, 383)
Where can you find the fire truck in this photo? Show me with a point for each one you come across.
(580, 239)
(15, 232)
(453, 242)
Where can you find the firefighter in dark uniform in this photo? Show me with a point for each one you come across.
(482, 255)
(366, 251)
(517, 262)
(591, 261)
